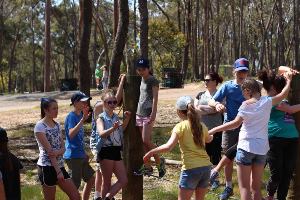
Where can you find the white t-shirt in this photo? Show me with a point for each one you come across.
(53, 135)
(253, 135)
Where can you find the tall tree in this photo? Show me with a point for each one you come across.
(280, 43)
(1, 43)
(187, 31)
(143, 28)
(294, 193)
(116, 18)
(84, 63)
(119, 43)
(47, 46)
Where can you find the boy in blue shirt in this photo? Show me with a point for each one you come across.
(75, 156)
(232, 93)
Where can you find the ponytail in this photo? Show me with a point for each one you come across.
(196, 126)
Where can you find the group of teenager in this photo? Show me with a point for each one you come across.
(248, 127)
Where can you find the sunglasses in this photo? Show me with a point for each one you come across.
(111, 102)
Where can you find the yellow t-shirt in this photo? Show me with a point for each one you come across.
(192, 156)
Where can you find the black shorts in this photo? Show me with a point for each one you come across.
(110, 153)
(231, 152)
(48, 176)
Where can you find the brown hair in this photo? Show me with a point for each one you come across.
(196, 126)
(214, 76)
(7, 163)
(270, 79)
(251, 85)
(107, 93)
(45, 104)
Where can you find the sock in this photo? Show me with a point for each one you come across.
(97, 194)
(229, 184)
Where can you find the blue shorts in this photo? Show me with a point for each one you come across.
(195, 178)
(246, 158)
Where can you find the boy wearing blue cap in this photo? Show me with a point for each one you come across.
(232, 93)
(75, 156)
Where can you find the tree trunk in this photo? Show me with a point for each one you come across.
(33, 76)
(179, 15)
(11, 62)
(294, 193)
(206, 37)
(187, 28)
(47, 47)
(1, 45)
(195, 31)
(116, 18)
(234, 37)
(281, 43)
(217, 43)
(241, 29)
(119, 44)
(143, 28)
(84, 63)
(133, 145)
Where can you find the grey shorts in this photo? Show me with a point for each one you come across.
(195, 178)
(230, 138)
(79, 168)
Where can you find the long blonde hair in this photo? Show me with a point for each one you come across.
(196, 126)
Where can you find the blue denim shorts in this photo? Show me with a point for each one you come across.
(246, 158)
(195, 178)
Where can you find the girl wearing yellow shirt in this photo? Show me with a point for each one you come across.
(191, 136)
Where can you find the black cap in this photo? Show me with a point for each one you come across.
(79, 96)
(142, 62)
(3, 135)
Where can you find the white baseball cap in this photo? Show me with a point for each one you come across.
(183, 102)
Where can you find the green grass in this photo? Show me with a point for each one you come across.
(23, 132)
(34, 192)
(161, 136)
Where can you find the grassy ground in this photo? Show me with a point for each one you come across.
(154, 189)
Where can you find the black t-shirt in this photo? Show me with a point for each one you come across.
(11, 179)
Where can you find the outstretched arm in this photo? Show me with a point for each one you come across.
(163, 148)
(227, 126)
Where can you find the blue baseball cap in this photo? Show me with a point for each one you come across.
(241, 64)
(79, 96)
(183, 102)
(142, 62)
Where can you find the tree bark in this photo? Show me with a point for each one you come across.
(1, 44)
(206, 37)
(143, 28)
(11, 62)
(47, 46)
(133, 145)
(119, 44)
(294, 192)
(281, 43)
(116, 18)
(234, 37)
(84, 63)
(187, 30)
(33, 75)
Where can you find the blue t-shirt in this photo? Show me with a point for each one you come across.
(234, 98)
(74, 146)
(282, 125)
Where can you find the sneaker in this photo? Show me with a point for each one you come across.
(144, 171)
(161, 167)
(215, 185)
(213, 177)
(226, 193)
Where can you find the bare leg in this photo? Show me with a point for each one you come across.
(244, 174)
(49, 192)
(88, 188)
(107, 170)
(257, 173)
(121, 174)
(185, 194)
(200, 193)
(70, 189)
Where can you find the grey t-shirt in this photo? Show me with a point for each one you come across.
(144, 108)
(210, 120)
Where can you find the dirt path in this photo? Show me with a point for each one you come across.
(23, 110)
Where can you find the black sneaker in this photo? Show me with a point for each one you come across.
(144, 171)
(228, 191)
(161, 167)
